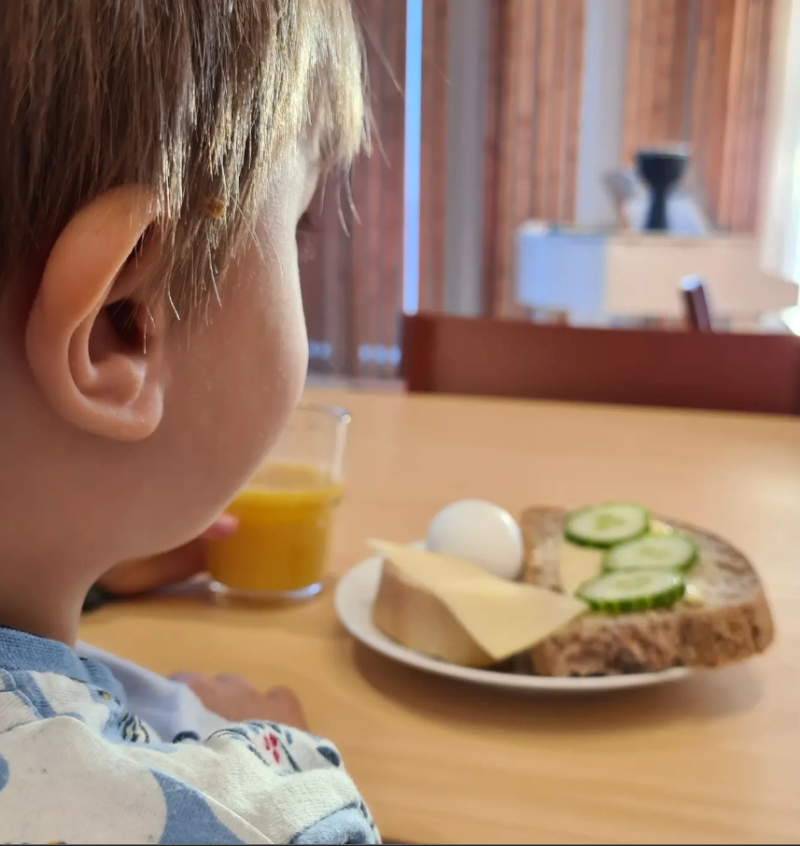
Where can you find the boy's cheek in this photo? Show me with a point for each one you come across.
(234, 384)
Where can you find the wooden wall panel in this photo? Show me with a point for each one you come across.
(556, 117)
(546, 62)
(696, 72)
(531, 138)
(678, 108)
(632, 129)
(656, 85)
(718, 103)
(492, 172)
(368, 189)
(647, 71)
(746, 114)
(574, 87)
(391, 219)
(703, 86)
(508, 147)
(521, 123)
(433, 181)
(352, 283)
(662, 70)
(743, 163)
(760, 119)
(733, 110)
(533, 126)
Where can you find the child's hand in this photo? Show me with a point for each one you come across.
(169, 568)
(237, 700)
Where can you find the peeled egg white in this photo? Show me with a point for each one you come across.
(482, 533)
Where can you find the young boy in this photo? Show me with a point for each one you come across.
(156, 159)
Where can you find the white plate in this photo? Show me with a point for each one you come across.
(355, 595)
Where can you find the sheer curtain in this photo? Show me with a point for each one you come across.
(780, 237)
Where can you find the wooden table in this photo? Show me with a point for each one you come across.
(714, 758)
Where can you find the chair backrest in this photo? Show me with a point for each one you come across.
(695, 300)
(735, 372)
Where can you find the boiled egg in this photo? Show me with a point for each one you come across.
(481, 532)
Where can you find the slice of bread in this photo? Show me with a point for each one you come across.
(410, 614)
(732, 622)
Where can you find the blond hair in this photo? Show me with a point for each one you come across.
(199, 99)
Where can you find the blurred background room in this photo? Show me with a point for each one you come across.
(619, 167)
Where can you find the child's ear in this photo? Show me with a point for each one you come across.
(95, 338)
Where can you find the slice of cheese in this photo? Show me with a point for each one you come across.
(409, 613)
(577, 564)
(503, 618)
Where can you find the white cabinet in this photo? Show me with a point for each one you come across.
(595, 275)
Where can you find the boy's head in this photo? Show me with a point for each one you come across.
(155, 161)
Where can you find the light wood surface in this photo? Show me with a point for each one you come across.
(715, 758)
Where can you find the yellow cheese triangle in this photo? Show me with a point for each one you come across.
(503, 618)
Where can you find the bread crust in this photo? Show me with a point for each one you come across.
(410, 614)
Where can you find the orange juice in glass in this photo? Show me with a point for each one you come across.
(286, 512)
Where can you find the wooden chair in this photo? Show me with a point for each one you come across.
(456, 355)
(695, 300)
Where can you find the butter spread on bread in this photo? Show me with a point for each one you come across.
(724, 617)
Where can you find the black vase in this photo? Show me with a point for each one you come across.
(661, 171)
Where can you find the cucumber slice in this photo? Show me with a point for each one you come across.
(607, 525)
(653, 552)
(621, 592)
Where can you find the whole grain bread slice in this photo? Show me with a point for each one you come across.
(732, 623)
